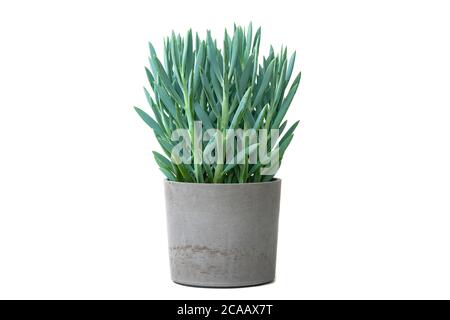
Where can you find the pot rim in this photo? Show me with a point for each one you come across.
(273, 181)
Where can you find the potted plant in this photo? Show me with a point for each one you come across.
(218, 116)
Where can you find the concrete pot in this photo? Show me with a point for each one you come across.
(222, 235)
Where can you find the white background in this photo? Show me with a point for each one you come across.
(366, 182)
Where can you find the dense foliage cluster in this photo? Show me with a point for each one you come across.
(224, 88)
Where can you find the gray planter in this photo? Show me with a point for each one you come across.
(222, 235)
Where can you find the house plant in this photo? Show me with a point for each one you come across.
(219, 118)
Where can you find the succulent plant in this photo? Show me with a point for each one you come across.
(224, 88)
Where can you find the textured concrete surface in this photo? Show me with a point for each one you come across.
(222, 235)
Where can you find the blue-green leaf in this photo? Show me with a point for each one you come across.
(150, 122)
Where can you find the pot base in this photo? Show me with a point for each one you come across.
(223, 286)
